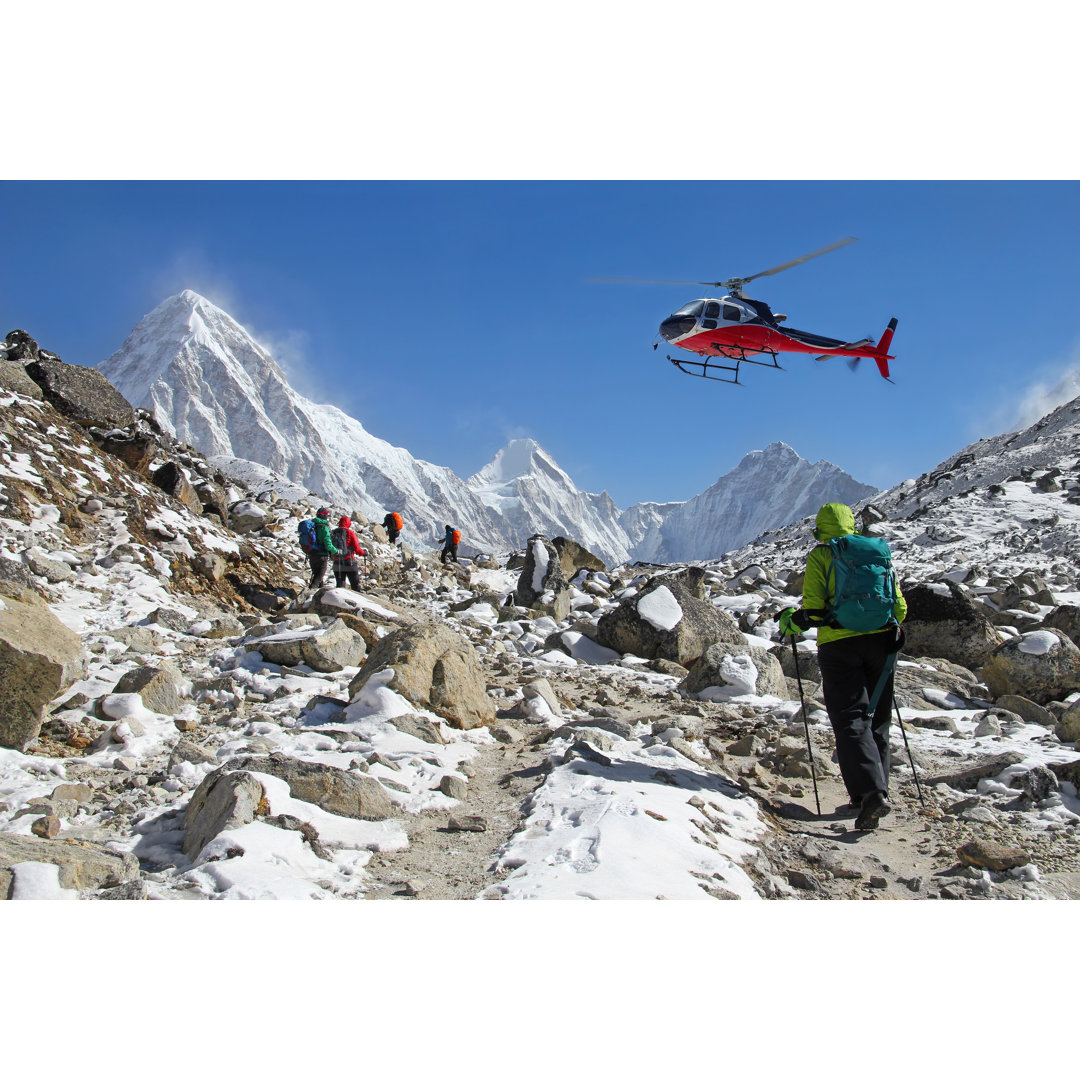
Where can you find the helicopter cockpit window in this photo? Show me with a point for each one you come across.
(732, 313)
(692, 309)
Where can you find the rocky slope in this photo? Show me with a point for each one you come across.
(526, 726)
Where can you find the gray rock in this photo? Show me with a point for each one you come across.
(541, 688)
(140, 639)
(337, 791)
(986, 854)
(971, 776)
(172, 479)
(467, 823)
(83, 394)
(330, 649)
(39, 658)
(625, 630)
(949, 625)
(722, 662)
(1066, 618)
(453, 786)
(159, 687)
(83, 864)
(186, 750)
(53, 571)
(224, 800)
(436, 669)
(1026, 709)
(542, 574)
(574, 558)
(1024, 667)
(13, 378)
(419, 727)
(1037, 784)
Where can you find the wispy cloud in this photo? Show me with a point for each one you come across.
(1054, 386)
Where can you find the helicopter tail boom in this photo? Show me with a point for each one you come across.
(881, 352)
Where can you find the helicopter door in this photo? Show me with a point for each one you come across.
(710, 315)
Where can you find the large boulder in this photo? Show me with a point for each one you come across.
(134, 450)
(21, 346)
(83, 394)
(434, 668)
(326, 649)
(172, 479)
(39, 657)
(13, 378)
(223, 800)
(337, 791)
(1065, 617)
(943, 621)
(573, 557)
(725, 670)
(82, 864)
(1042, 665)
(161, 688)
(542, 586)
(665, 621)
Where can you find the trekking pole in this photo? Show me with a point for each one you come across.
(806, 724)
(890, 667)
(907, 746)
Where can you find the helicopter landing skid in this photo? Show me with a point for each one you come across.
(710, 368)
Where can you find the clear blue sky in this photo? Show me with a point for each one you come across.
(449, 311)
(449, 317)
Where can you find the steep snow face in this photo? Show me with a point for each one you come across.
(525, 486)
(767, 489)
(211, 385)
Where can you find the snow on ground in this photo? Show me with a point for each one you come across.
(612, 832)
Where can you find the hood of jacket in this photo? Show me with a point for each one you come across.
(833, 520)
(345, 523)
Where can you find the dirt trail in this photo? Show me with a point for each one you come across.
(442, 863)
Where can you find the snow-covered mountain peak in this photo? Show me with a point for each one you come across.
(517, 459)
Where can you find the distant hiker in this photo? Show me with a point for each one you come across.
(392, 523)
(858, 637)
(315, 539)
(345, 564)
(450, 543)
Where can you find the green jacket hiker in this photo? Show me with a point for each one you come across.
(856, 666)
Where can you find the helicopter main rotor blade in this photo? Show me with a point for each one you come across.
(654, 281)
(804, 258)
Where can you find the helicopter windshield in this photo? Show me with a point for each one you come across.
(693, 309)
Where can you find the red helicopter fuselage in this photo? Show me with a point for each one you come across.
(738, 328)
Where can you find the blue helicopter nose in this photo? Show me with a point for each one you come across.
(674, 326)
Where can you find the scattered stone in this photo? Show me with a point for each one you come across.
(47, 826)
(467, 823)
(454, 787)
(992, 856)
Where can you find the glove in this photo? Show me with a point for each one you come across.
(794, 621)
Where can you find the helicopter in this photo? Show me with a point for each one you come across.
(739, 330)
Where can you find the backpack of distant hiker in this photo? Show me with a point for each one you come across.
(398, 523)
(309, 541)
(862, 582)
(341, 540)
(455, 536)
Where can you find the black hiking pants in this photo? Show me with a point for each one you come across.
(318, 561)
(343, 570)
(850, 669)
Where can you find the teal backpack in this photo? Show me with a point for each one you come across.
(862, 582)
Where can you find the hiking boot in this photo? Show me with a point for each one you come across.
(846, 810)
(874, 807)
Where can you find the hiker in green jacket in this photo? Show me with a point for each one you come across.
(852, 663)
(320, 555)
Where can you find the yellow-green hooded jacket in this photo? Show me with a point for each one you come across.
(833, 520)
